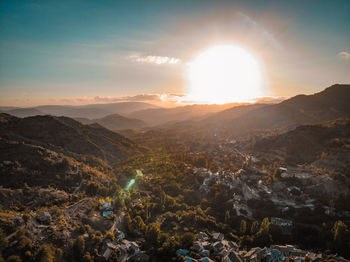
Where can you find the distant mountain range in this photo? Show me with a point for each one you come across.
(228, 119)
(158, 116)
(327, 105)
(85, 111)
(115, 122)
(242, 120)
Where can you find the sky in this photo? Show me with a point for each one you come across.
(80, 52)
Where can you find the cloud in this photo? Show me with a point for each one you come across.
(151, 59)
(135, 98)
(264, 33)
(344, 55)
(160, 99)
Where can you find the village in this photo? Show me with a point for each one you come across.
(294, 188)
(214, 247)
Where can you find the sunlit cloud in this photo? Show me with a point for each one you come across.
(151, 59)
(344, 55)
(135, 98)
(150, 98)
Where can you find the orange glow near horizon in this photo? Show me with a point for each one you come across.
(223, 74)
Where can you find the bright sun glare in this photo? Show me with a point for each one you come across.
(223, 74)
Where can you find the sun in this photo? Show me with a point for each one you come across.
(223, 74)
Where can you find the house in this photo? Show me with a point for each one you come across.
(119, 234)
(134, 247)
(206, 244)
(254, 255)
(218, 236)
(136, 201)
(281, 222)
(274, 255)
(217, 246)
(233, 245)
(202, 236)
(111, 245)
(315, 257)
(190, 259)
(232, 257)
(204, 253)
(107, 253)
(107, 213)
(106, 206)
(295, 252)
(281, 249)
(197, 245)
(223, 253)
(182, 252)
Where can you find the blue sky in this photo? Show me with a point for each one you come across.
(57, 51)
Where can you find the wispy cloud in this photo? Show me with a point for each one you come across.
(344, 55)
(151, 98)
(135, 98)
(151, 59)
(261, 29)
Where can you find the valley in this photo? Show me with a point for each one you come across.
(244, 183)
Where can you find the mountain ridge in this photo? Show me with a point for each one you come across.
(115, 122)
(68, 134)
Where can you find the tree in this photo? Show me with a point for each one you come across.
(140, 224)
(152, 233)
(243, 227)
(87, 257)
(110, 235)
(339, 230)
(227, 216)
(14, 258)
(254, 227)
(263, 236)
(78, 248)
(341, 237)
(128, 223)
(46, 253)
(187, 239)
(3, 241)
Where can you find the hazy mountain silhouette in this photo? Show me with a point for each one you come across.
(85, 111)
(115, 122)
(329, 104)
(24, 112)
(159, 116)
